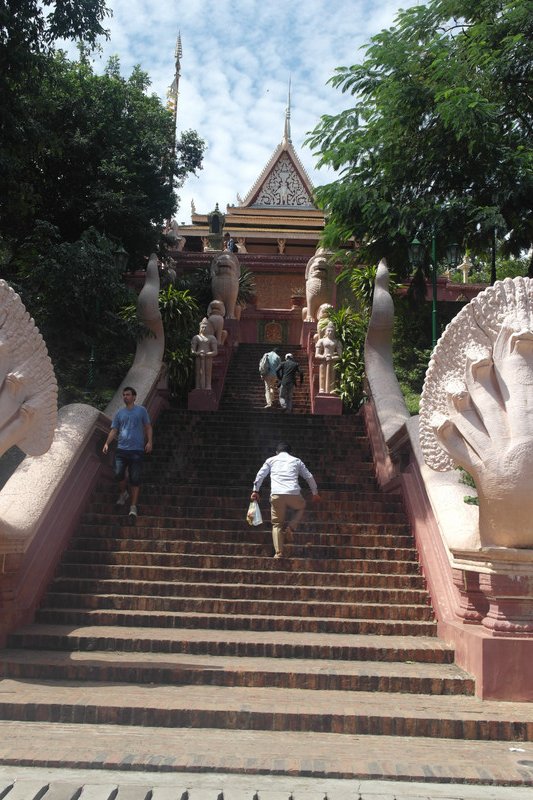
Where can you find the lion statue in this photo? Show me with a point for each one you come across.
(225, 273)
(316, 284)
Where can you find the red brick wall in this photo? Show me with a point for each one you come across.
(274, 291)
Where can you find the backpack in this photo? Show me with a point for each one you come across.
(264, 366)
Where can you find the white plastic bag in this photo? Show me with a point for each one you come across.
(253, 515)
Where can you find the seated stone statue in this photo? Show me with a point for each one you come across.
(216, 312)
(204, 348)
(476, 409)
(316, 284)
(328, 351)
(225, 273)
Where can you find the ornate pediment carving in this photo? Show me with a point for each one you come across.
(283, 187)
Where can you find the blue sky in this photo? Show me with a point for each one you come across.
(235, 68)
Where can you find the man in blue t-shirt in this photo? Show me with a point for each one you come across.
(134, 430)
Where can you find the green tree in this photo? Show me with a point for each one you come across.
(75, 291)
(505, 268)
(28, 31)
(439, 136)
(104, 158)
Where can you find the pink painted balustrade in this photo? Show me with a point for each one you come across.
(40, 505)
(481, 589)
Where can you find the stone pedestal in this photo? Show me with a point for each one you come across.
(202, 400)
(232, 326)
(472, 605)
(306, 339)
(328, 404)
(510, 599)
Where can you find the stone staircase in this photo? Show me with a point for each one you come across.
(318, 663)
(245, 388)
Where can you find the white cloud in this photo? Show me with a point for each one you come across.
(237, 59)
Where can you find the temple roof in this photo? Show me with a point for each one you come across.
(283, 182)
(278, 208)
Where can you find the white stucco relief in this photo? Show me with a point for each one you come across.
(283, 187)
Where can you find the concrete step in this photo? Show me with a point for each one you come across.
(159, 781)
(191, 669)
(251, 622)
(390, 535)
(167, 504)
(268, 709)
(167, 562)
(251, 591)
(273, 576)
(162, 540)
(271, 644)
(243, 548)
(174, 518)
(267, 607)
(203, 763)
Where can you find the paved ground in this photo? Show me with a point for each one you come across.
(17, 783)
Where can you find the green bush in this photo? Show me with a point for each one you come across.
(180, 315)
(351, 328)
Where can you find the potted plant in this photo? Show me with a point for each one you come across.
(297, 297)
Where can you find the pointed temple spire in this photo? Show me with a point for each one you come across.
(178, 53)
(287, 131)
(172, 96)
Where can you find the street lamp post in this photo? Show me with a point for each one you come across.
(434, 315)
(121, 257)
(416, 257)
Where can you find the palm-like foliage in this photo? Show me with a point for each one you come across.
(180, 315)
(351, 330)
(199, 283)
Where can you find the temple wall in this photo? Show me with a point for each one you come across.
(274, 291)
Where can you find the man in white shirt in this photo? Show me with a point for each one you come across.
(285, 492)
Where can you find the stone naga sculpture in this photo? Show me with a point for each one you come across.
(477, 408)
(28, 388)
(225, 273)
(328, 351)
(316, 284)
(204, 348)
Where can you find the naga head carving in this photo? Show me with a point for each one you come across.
(476, 410)
(28, 388)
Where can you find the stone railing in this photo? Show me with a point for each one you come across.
(482, 595)
(41, 503)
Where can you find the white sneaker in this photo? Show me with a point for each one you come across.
(133, 514)
(123, 496)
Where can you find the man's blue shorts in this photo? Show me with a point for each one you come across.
(133, 460)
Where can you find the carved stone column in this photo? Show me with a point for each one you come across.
(472, 605)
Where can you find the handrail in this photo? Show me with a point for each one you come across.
(481, 596)
(41, 503)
